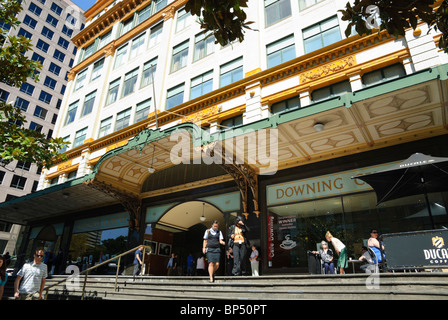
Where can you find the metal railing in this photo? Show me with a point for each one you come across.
(86, 272)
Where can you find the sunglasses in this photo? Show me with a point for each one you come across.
(39, 255)
(374, 232)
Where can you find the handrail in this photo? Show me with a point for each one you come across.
(86, 272)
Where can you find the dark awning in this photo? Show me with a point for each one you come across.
(61, 199)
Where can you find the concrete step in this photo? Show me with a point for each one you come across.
(412, 286)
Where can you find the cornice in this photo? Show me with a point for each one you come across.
(121, 11)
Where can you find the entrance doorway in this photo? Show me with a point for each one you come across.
(180, 231)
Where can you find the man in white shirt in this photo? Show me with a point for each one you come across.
(34, 275)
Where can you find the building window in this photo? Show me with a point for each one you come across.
(149, 69)
(97, 67)
(201, 85)
(42, 45)
(180, 54)
(22, 104)
(47, 33)
(231, 72)
(64, 149)
(159, 5)
(331, 91)
(121, 56)
(18, 182)
(89, 50)
(204, 45)
(45, 97)
(56, 9)
(52, 20)
(67, 31)
(175, 96)
(71, 19)
(22, 32)
(54, 68)
(155, 35)
(30, 22)
(105, 127)
(394, 71)
(137, 46)
(80, 137)
(50, 82)
(321, 35)
(281, 51)
(126, 26)
(63, 43)
(23, 165)
(231, 123)
(35, 185)
(105, 39)
(35, 9)
(40, 112)
(123, 119)
(307, 3)
(37, 57)
(276, 10)
(4, 95)
(142, 110)
(72, 175)
(80, 79)
(88, 103)
(113, 91)
(71, 113)
(183, 19)
(27, 88)
(144, 14)
(35, 126)
(130, 79)
(285, 105)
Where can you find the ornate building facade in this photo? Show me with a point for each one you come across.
(170, 131)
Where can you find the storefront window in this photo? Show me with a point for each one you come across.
(97, 239)
(296, 228)
(87, 248)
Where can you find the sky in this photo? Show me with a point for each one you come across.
(84, 4)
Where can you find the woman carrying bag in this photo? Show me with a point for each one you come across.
(239, 244)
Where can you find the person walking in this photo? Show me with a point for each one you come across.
(34, 275)
(211, 247)
(340, 250)
(3, 275)
(239, 244)
(254, 263)
(138, 256)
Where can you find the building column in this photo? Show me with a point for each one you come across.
(305, 98)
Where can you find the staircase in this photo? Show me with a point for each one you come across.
(409, 286)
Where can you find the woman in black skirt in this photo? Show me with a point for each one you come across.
(212, 239)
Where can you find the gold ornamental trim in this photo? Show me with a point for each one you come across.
(328, 69)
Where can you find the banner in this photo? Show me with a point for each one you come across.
(419, 249)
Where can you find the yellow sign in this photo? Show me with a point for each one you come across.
(438, 242)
